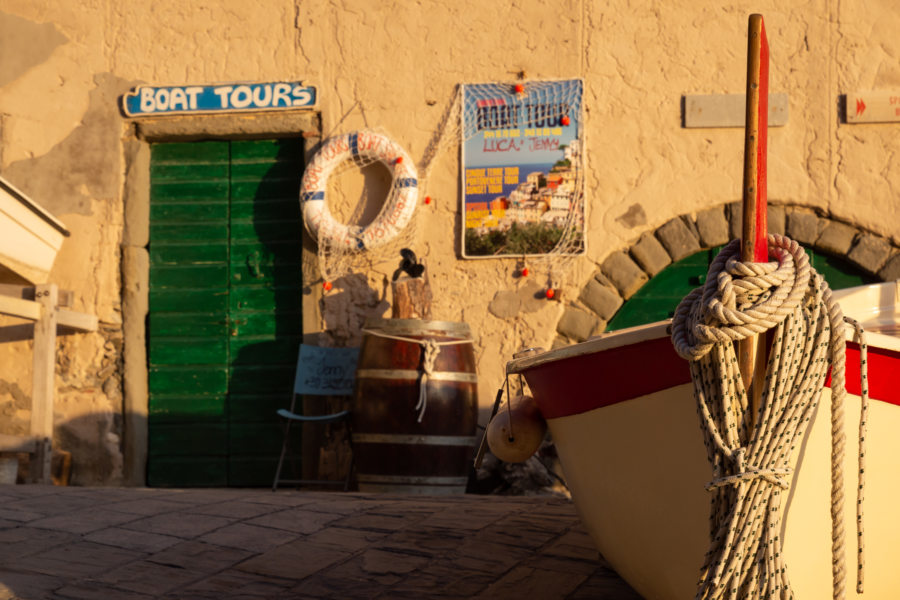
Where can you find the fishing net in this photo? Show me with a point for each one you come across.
(532, 213)
(364, 188)
(523, 174)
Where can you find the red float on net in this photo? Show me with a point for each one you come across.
(427, 199)
(550, 293)
(565, 121)
(326, 286)
(519, 88)
(524, 271)
(398, 160)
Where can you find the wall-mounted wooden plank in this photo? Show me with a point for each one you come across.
(873, 107)
(729, 110)
(17, 307)
(76, 320)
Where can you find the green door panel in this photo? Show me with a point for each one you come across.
(284, 228)
(263, 350)
(255, 439)
(180, 253)
(274, 253)
(190, 276)
(225, 308)
(252, 273)
(262, 379)
(280, 299)
(189, 439)
(193, 172)
(190, 152)
(284, 189)
(187, 212)
(263, 326)
(256, 407)
(196, 232)
(187, 301)
(198, 379)
(183, 191)
(188, 324)
(197, 471)
(188, 351)
(175, 408)
(265, 209)
(282, 150)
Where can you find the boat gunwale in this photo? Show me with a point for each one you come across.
(651, 331)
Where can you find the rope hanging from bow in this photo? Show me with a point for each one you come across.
(750, 454)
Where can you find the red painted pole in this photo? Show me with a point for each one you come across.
(754, 247)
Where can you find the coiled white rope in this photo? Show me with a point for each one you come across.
(750, 454)
(430, 350)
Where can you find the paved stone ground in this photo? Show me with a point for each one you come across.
(137, 543)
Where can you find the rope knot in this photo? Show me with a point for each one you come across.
(430, 351)
(741, 299)
(744, 474)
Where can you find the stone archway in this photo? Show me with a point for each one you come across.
(625, 271)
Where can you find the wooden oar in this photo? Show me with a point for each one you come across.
(751, 351)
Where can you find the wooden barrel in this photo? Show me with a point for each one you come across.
(393, 450)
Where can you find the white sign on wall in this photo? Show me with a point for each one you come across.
(873, 107)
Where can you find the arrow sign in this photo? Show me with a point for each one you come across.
(873, 107)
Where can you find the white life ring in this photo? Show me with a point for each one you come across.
(398, 207)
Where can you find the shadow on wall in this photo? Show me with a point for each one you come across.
(265, 306)
(86, 451)
(94, 438)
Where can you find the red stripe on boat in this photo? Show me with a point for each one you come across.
(578, 384)
(582, 383)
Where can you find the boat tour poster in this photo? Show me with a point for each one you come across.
(522, 169)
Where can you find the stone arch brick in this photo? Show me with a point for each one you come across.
(626, 270)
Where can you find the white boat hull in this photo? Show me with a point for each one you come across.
(623, 418)
(637, 471)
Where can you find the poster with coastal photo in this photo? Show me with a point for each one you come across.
(522, 169)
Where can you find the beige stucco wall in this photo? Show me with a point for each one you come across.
(395, 66)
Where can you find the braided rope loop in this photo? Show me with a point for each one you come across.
(750, 454)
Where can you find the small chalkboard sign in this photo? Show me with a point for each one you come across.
(325, 371)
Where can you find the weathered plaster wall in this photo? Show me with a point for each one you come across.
(395, 66)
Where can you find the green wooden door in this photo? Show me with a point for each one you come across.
(225, 309)
(659, 297)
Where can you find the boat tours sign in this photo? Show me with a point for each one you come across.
(232, 97)
(522, 169)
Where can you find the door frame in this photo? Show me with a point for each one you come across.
(135, 261)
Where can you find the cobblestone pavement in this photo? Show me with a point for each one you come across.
(138, 543)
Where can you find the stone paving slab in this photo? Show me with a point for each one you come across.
(141, 543)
